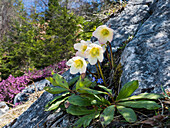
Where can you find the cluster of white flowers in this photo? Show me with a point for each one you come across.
(92, 51)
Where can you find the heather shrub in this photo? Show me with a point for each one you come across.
(13, 85)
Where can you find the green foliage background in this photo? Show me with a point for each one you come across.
(37, 41)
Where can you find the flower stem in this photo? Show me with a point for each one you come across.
(111, 97)
(97, 71)
(93, 74)
(101, 73)
(108, 57)
(111, 55)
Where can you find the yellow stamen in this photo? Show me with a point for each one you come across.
(105, 32)
(94, 52)
(78, 63)
(84, 47)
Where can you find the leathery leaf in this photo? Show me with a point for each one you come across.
(85, 120)
(106, 89)
(90, 91)
(56, 104)
(54, 90)
(152, 96)
(107, 116)
(79, 110)
(128, 89)
(78, 100)
(58, 80)
(127, 113)
(56, 98)
(83, 83)
(150, 105)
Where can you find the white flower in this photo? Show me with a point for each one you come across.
(102, 45)
(78, 64)
(103, 34)
(81, 47)
(94, 52)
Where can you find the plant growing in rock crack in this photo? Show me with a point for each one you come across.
(87, 99)
(90, 99)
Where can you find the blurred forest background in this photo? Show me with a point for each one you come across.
(38, 33)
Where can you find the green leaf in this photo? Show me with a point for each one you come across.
(83, 83)
(127, 113)
(59, 81)
(127, 89)
(152, 96)
(164, 92)
(77, 110)
(93, 84)
(150, 105)
(85, 120)
(54, 90)
(56, 98)
(106, 89)
(96, 100)
(107, 116)
(78, 100)
(56, 104)
(90, 91)
(73, 81)
(52, 81)
(104, 101)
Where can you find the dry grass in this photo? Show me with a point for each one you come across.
(18, 110)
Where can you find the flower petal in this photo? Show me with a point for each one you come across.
(87, 52)
(97, 33)
(78, 53)
(102, 45)
(77, 46)
(104, 48)
(83, 69)
(100, 57)
(73, 70)
(92, 60)
(110, 37)
(102, 40)
(70, 62)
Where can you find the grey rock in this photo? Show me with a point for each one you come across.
(3, 108)
(21, 97)
(135, 2)
(33, 115)
(147, 57)
(24, 95)
(129, 21)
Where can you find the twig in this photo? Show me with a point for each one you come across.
(162, 106)
(141, 113)
(9, 103)
(93, 74)
(35, 89)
